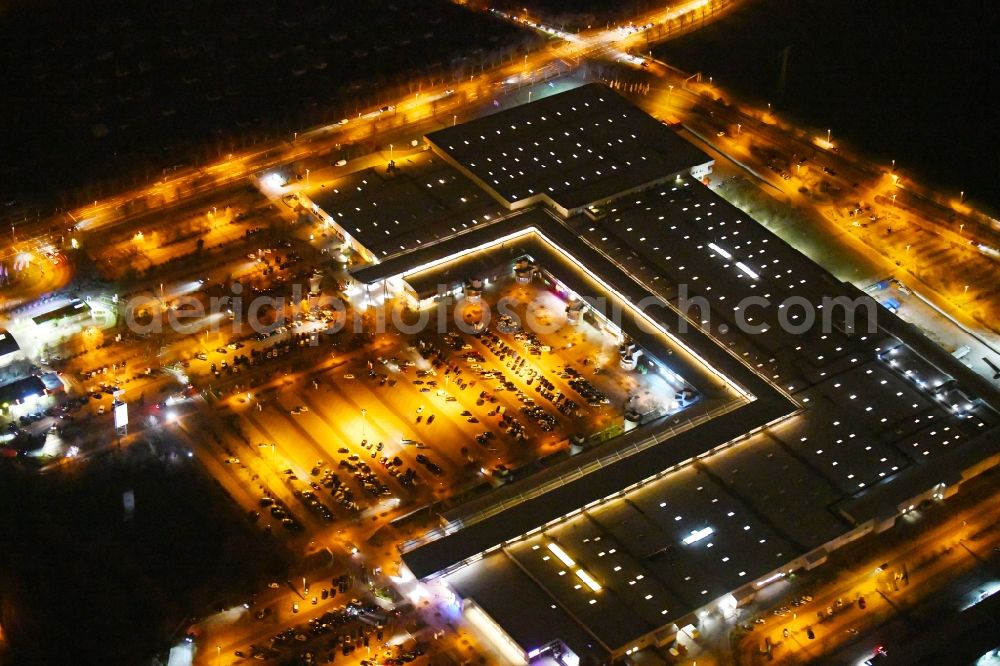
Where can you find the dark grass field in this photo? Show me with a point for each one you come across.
(910, 81)
(116, 90)
(80, 585)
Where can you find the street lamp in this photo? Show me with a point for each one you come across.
(828, 137)
(739, 127)
(529, 96)
(454, 119)
(307, 176)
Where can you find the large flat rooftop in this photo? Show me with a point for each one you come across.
(425, 200)
(635, 549)
(872, 408)
(575, 148)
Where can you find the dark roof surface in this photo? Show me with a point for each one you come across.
(577, 147)
(21, 389)
(454, 243)
(882, 500)
(389, 213)
(71, 309)
(8, 344)
(635, 550)
(521, 607)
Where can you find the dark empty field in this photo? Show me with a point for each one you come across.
(114, 91)
(81, 585)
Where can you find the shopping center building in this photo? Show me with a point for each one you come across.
(826, 418)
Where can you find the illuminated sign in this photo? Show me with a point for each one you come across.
(121, 415)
